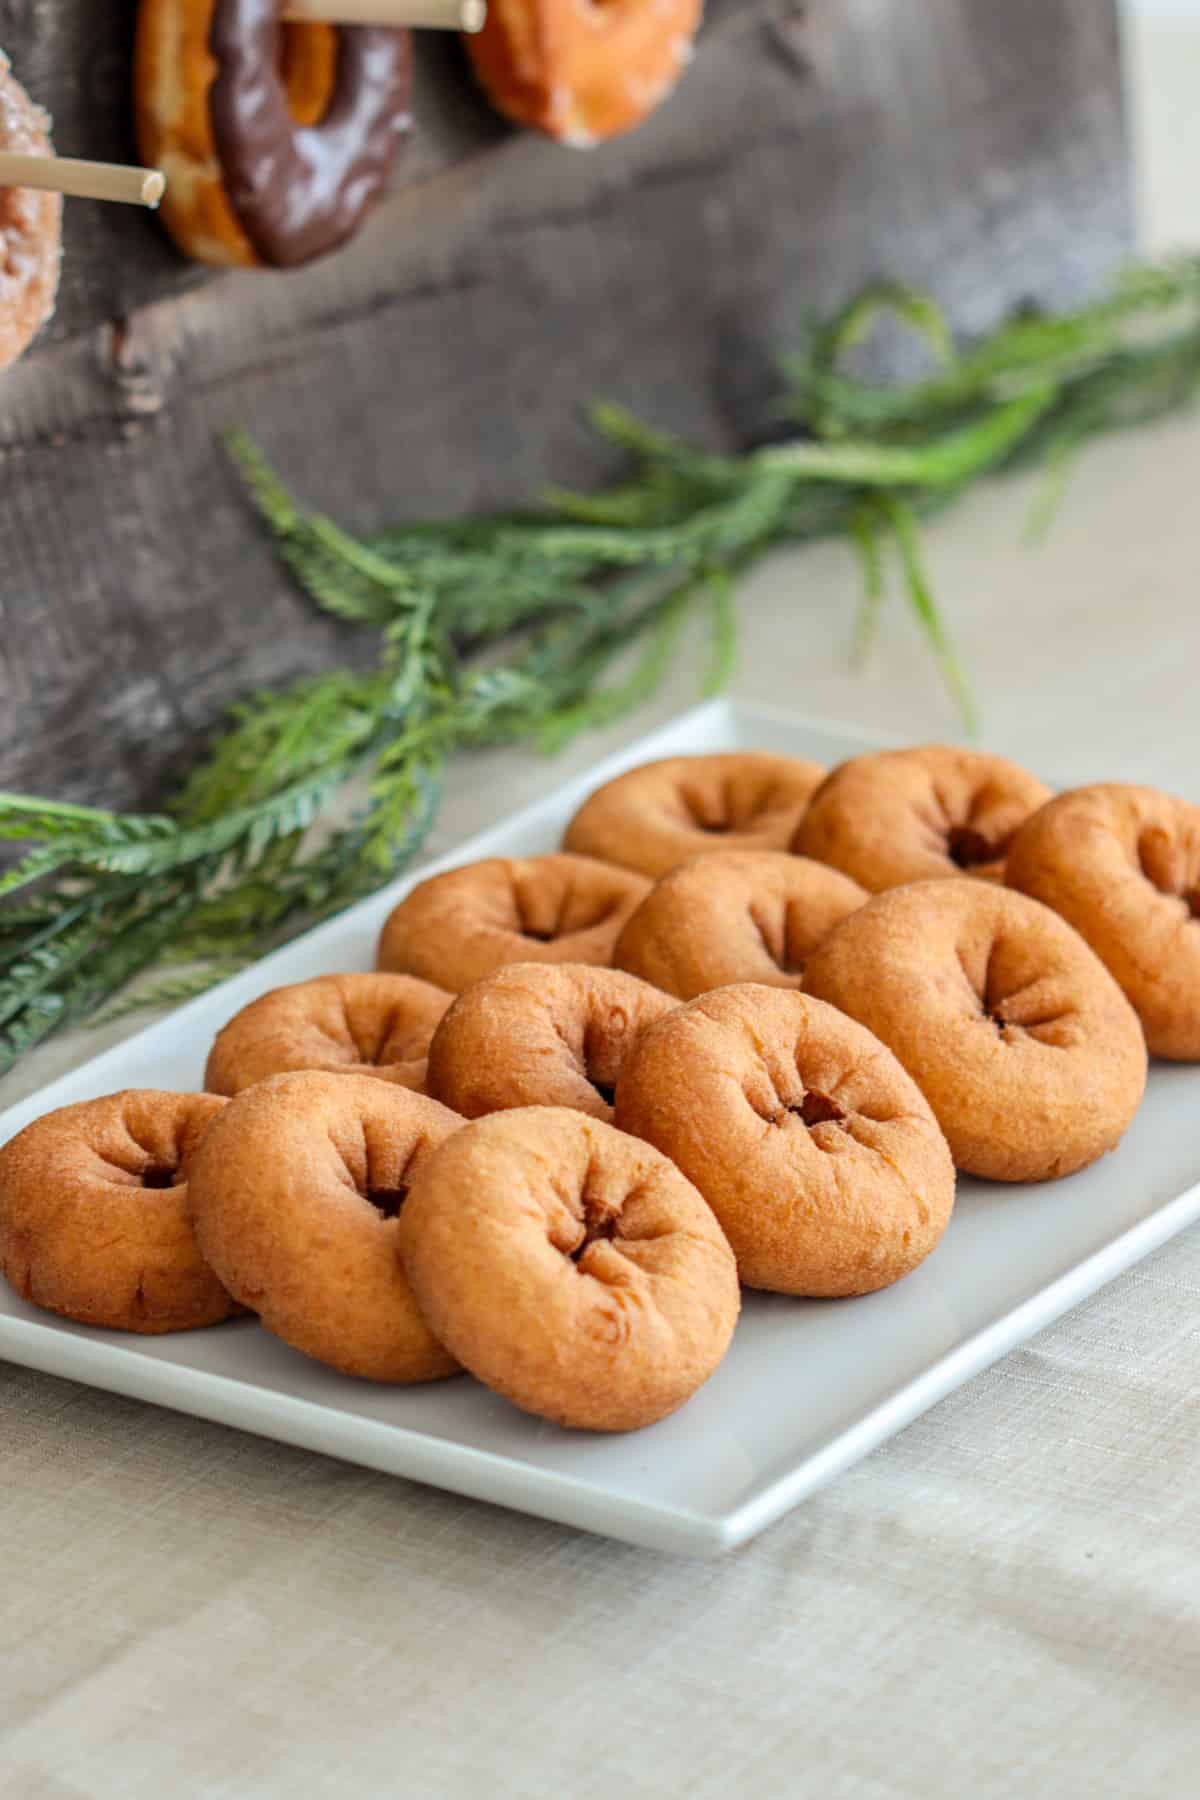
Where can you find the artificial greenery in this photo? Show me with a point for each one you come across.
(519, 629)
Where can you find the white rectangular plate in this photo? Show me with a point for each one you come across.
(808, 1387)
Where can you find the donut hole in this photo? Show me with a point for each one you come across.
(967, 848)
(544, 916)
(1165, 864)
(719, 807)
(158, 1175)
(784, 934)
(387, 1201)
(817, 1108)
(308, 56)
(599, 1226)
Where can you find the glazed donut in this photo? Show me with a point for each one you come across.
(295, 1200)
(377, 1025)
(582, 70)
(534, 1034)
(94, 1213)
(734, 916)
(1122, 865)
(275, 139)
(1023, 1044)
(655, 817)
(458, 927)
(30, 226)
(818, 1154)
(916, 815)
(572, 1269)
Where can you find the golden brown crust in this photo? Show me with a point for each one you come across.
(735, 916)
(918, 815)
(294, 1200)
(30, 226)
(818, 1154)
(572, 1269)
(1122, 865)
(582, 70)
(378, 1025)
(95, 1219)
(459, 927)
(664, 813)
(173, 72)
(1022, 1042)
(535, 1035)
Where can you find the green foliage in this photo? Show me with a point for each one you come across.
(531, 627)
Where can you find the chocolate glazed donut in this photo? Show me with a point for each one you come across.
(301, 190)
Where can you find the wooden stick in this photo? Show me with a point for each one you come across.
(85, 180)
(434, 15)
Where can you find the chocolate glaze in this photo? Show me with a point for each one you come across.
(301, 190)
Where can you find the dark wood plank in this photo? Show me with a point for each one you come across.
(442, 361)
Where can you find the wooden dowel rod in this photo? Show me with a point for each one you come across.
(84, 180)
(433, 15)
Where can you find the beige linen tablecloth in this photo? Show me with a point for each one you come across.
(1005, 1601)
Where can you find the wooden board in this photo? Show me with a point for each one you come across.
(441, 362)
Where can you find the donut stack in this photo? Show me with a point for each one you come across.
(741, 1031)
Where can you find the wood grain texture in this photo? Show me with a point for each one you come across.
(441, 362)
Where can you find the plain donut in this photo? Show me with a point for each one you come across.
(735, 916)
(818, 1154)
(896, 816)
(571, 1268)
(456, 928)
(295, 1202)
(378, 1025)
(1023, 1044)
(1122, 865)
(535, 1034)
(656, 816)
(95, 1213)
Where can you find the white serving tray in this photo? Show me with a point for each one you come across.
(808, 1386)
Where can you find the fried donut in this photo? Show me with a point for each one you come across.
(534, 1034)
(582, 70)
(664, 813)
(1122, 865)
(94, 1213)
(572, 1269)
(1023, 1044)
(377, 1025)
(916, 815)
(295, 1202)
(458, 927)
(818, 1154)
(276, 139)
(735, 916)
(30, 226)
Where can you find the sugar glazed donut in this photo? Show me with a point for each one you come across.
(377, 1025)
(582, 70)
(572, 1269)
(276, 139)
(818, 1154)
(1021, 1041)
(1122, 864)
(915, 815)
(295, 1202)
(735, 916)
(94, 1213)
(30, 226)
(664, 813)
(458, 927)
(534, 1034)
